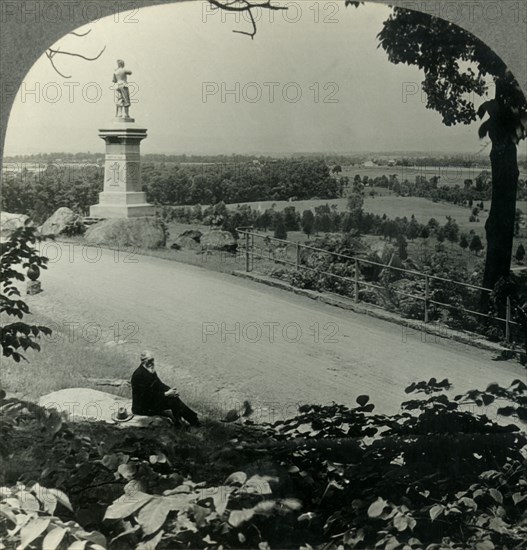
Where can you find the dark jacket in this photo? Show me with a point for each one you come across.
(148, 392)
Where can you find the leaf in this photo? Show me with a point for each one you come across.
(377, 508)
(27, 501)
(237, 517)
(159, 458)
(487, 399)
(496, 495)
(518, 497)
(221, 498)
(78, 545)
(126, 505)
(237, 478)
(7, 513)
(150, 544)
(436, 511)
(127, 471)
(362, 400)
(308, 516)
(153, 515)
(259, 485)
(32, 530)
(469, 503)
(485, 545)
(291, 503)
(400, 522)
(264, 507)
(53, 538)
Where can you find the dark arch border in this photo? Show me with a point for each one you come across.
(502, 25)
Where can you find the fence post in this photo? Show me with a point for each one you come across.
(247, 254)
(356, 293)
(427, 296)
(252, 250)
(297, 256)
(508, 320)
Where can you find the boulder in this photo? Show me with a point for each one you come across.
(186, 242)
(85, 404)
(217, 239)
(10, 222)
(193, 234)
(147, 232)
(383, 250)
(62, 221)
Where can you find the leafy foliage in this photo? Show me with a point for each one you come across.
(437, 474)
(19, 258)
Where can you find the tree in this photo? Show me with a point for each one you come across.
(290, 218)
(463, 242)
(413, 229)
(476, 245)
(337, 169)
(520, 253)
(19, 252)
(279, 228)
(433, 225)
(451, 230)
(402, 247)
(308, 222)
(456, 64)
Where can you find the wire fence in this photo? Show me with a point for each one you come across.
(293, 254)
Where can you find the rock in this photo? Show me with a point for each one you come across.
(85, 404)
(9, 223)
(383, 250)
(148, 232)
(62, 221)
(218, 240)
(194, 234)
(186, 242)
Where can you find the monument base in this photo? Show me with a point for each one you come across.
(121, 210)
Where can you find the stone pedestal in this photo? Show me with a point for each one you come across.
(122, 196)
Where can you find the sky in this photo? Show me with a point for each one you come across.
(312, 80)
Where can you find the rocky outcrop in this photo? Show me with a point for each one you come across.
(190, 239)
(62, 221)
(148, 232)
(218, 240)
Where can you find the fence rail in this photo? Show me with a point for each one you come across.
(248, 236)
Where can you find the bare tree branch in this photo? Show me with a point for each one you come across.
(50, 54)
(80, 34)
(245, 6)
(53, 52)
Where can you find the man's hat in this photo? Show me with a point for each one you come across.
(122, 415)
(146, 356)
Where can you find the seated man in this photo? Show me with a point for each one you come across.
(151, 397)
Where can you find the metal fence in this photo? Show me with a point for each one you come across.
(267, 252)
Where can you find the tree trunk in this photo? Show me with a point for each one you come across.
(499, 227)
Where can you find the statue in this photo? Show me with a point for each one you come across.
(123, 93)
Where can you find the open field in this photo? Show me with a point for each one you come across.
(449, 175)
(392, 206)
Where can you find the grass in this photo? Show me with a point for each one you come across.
(63, 362)
(67, 361)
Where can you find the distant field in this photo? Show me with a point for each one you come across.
(393, 207)
(449, 175)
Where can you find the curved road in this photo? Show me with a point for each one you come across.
(220, 338)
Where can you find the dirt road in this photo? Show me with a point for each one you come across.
(220, 338)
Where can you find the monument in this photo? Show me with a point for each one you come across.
(122, 196)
